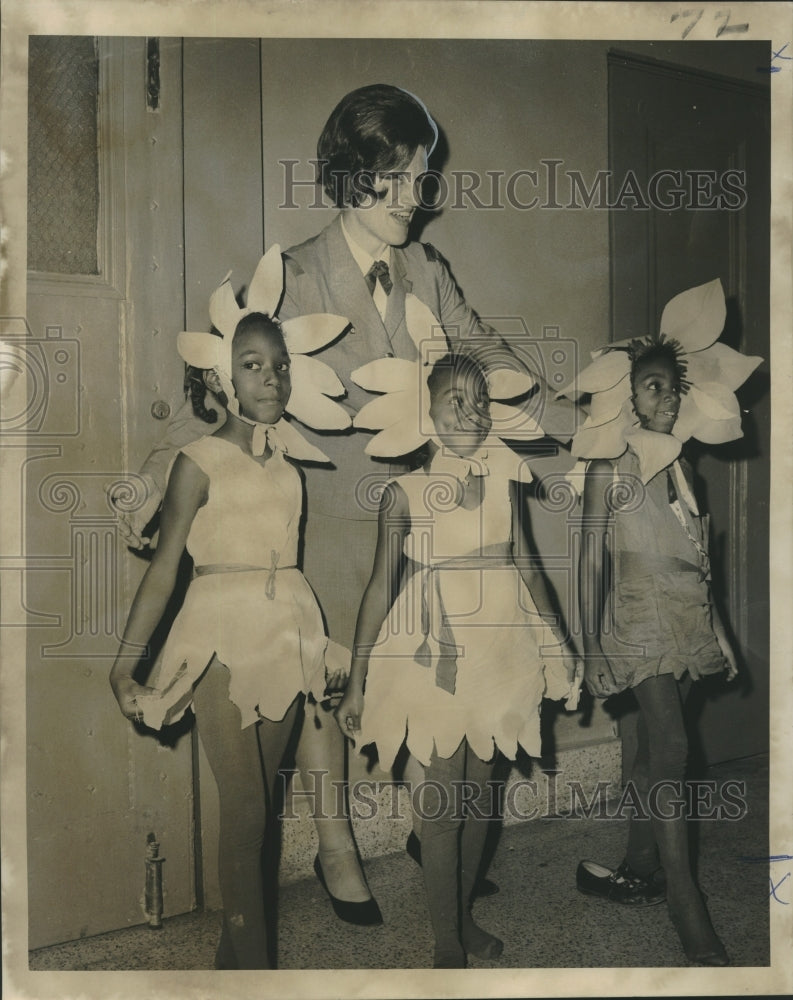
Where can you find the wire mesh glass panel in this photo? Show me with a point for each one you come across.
(63, 157)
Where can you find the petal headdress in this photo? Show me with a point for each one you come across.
(401, 414)
(691, 324)
(313, 382)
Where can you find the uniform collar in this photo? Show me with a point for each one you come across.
(362, 257)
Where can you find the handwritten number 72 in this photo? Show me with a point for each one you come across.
(694, 16)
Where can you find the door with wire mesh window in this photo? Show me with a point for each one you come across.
(105, 295)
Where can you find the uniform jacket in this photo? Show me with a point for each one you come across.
(322, 276)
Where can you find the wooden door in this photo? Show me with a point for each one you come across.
(99, 356)
(713, 133)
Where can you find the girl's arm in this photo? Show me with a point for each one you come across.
(186, 492)
(534, 578)
(718, 625)
(393, 524)
(593, 575)
(183, 428)
(724, 643)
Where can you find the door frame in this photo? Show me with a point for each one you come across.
(737, 584)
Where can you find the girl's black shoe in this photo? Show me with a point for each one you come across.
(366, 914)
(621, 885)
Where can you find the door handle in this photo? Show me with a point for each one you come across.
(160, 410)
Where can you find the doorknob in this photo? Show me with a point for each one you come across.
(160, 410)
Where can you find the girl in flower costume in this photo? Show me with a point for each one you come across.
(648, 618)
(249, 642)
(456, 641)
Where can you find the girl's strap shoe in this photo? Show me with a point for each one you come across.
(621, 885)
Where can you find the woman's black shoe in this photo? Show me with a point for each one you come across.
(366, 914)
(482, 887)
(413, 848)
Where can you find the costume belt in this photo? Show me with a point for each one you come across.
(269, 588)
(441, 652)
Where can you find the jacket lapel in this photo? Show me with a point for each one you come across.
(396, 328)
(348, 288)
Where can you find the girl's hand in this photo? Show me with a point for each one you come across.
(127, 691)
(598, 675)
(132, 523)
(337, 673)
(336, 681)
(571, 662)
(575, 671)
(732, 665)
(574, 667)
(729, 656)
(724, 645)
(349, 712)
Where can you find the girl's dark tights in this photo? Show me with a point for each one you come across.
(244, 763)
(659, 774)
(456, 804)
(658, 732)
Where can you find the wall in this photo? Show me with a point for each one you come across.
(504, 126)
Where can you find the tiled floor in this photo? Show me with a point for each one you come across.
(543, 920)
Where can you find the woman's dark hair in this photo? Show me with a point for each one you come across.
(372, 130)
(195, 387)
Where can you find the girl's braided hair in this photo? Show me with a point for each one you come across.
(661, 347)
(195, 389)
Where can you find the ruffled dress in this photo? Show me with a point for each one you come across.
(248, 603)
(463, 651)
(661, 620)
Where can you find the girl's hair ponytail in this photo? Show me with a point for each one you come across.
(195, 388)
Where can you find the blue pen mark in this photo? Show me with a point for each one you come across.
(770, 858)
(775, 886)
(765, 858)
(775, 55)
